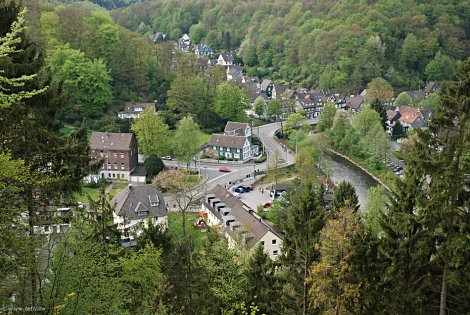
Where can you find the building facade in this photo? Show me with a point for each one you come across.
(238, 223)
(118, 152)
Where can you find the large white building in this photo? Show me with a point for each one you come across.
(238, 223)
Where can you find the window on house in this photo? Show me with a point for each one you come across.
(274, 241)
(115, 154)
(215, 148)
(275, 252)
(114, 175)
(122, 166)
(115, 165)
(109, 174)
(122, 155)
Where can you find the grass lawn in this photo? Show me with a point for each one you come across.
(283, 175)
(83, 196)
(175, 225)
(95, 192)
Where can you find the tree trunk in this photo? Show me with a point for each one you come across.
(31, 213)
(183, 213)
(305, 301)
(442, 306)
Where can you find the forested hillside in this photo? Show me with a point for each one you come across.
(324, 43)
(95, 60)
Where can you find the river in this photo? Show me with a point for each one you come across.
(342, 169)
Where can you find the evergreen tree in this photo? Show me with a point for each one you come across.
(259, 278)
(380, 108)
(153, 165)
(397, 131)
(55, 164)
(304, 222)
(345, 197)
(424, 226)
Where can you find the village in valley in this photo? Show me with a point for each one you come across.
(226, 154)
(155, 161)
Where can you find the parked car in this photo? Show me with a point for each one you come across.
(242, 189)
(168, 158)
(267, 204)
(224, 170)
(245, 188)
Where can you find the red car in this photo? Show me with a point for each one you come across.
(224, 170)
(267, 204)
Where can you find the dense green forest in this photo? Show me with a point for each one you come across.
(325, 43)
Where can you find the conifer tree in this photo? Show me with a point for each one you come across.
(260, 282)
(345, 196)
(305, 220)
(426, 223)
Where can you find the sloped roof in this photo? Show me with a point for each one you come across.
(129, 107)
(289, 93)
(354, 101)
(265, 84)
(201, 47)
(409, 114)
(238, 127)
(392, 115)
(280, 88)
(235, 142)
(139, 198)
(255, 226)
(110, 141)
(430, 87)
(228, 56)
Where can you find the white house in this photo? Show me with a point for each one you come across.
(238, 223)
(234, 144)
(133, 110)
(135, 206)
(226, 59)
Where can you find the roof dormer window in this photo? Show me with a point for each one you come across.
(154, 201)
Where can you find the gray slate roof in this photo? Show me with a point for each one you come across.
(236, 142)
(110, 141)
(354, 101)
(265, 84)
(255, 226)
(237, 127)
(393, 115)
(139, 198)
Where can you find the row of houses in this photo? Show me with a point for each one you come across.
(312, 102)
(409, 117)
(239, 224)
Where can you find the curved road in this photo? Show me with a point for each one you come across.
(266, 134)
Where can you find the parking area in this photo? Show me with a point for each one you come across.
(258, 196)
(396, 165)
